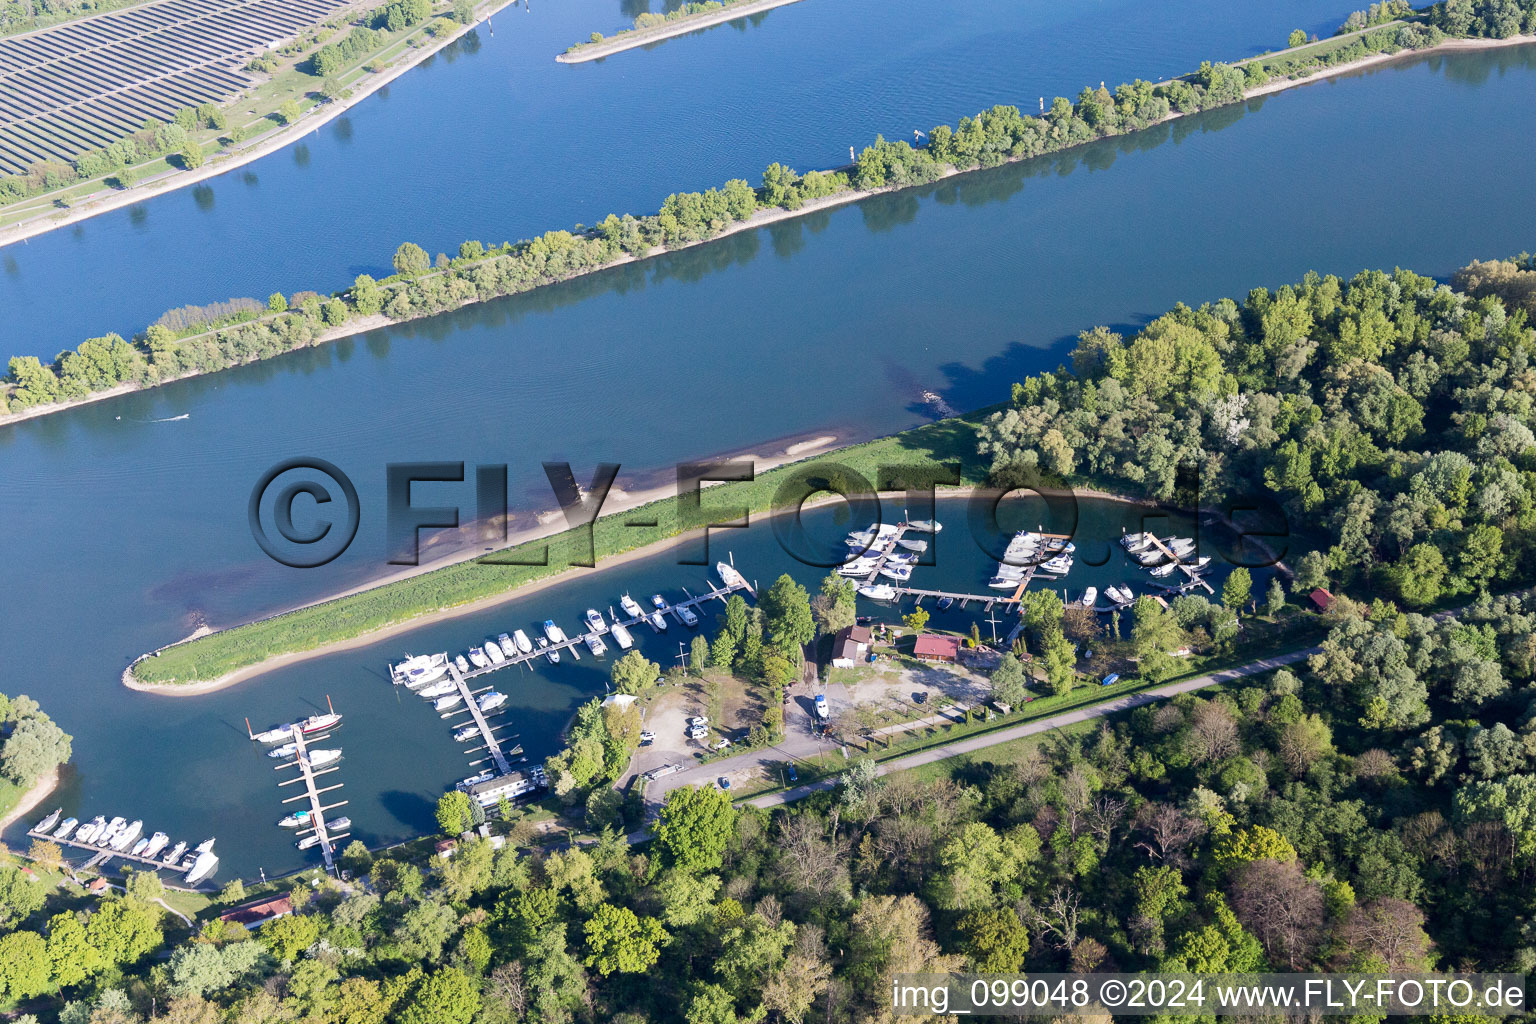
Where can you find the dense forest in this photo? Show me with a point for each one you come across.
(423, 286)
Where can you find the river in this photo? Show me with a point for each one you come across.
(493, 139)
(124, 531)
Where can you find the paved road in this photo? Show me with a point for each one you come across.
(975, 743)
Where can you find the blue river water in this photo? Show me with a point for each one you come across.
(127, 528)
(495, 140)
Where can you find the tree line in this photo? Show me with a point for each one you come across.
(422, 286)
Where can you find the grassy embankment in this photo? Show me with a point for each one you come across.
(345, 618)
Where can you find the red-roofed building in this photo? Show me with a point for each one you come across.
(932, 647)
(97, 886)
(1322, 599)
(850, 646)
(254, 915)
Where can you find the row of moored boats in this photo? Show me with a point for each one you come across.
(1030, 553)
(884, 550)
(118, 835)
(1152, 553)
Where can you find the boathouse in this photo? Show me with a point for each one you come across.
(932, 647)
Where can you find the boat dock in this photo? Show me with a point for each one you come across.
(486, 734)
(1194, 580)
(101, 856)
(987, 601)
(312, 793)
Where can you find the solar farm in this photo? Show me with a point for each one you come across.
(83, 85)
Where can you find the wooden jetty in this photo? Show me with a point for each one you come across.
(100, 855)
(1194, 580)
(987, 601)
(486, 733)
(312, 793)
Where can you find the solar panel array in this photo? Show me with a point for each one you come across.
(81, 86)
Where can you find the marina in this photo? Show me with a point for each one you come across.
(194, 867)
(313, 764)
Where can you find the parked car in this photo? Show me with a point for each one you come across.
(723, 745)
(698, 720)
(920, 697)
(789, 771)
(725, 783)
(821, 706)
(647, 738)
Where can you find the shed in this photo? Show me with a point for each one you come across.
(97, 886)
(1321, 599)
(933, 647)
(254, 915)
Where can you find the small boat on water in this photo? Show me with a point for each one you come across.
(1005, 580)
(157, 842)
(312, 724)
(340, 824)
(68, 826)
(295, 819)
(729, 575)
(461, 663)
(945, 603)
(1120, 595)
(127, 835)
(631, 607)
(622, 637)
(896, 571)
(1058, 566)
(204, 864)
(1135, 541)
(595, 623)
(507, 644)
(521, 640)
(490, 700)
(448, 702)
(1165, 570)
(469, 732)
(657, 621)
(912, 544)
(549, 652)
(105, 837)
(478, 658)
(139, 847)
(90, 830)
(493, 651)
(308, 842)
(858, 567)
(286, 750)
(925, 525)
(474, 780)
(878, 591)
(1201, 562)
(49, 821)
(595, 645)
(659, 603)
(1089, 597)
(441, 689)
(419, 669)
(174, 857)
(554, 633)
(320, 758)
(690, 619)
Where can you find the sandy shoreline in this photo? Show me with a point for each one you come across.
(633, 38)
(618, 503)
(221, 163)
(764, 218)
(44, 785)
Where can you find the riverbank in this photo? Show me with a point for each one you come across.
(635, 37)
(29, 800)
(549, 528)
(108, 199)
(763, 216)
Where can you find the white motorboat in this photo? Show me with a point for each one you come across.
(1200, 563)
(1182, 546)
(65, 828)
(549, 652)
(521, 640)
(490, 700)
(419, 669)
(659, 603)
(49, 821)
(1120, 595)
(340, 824)
(308, 841)
(295, 819)
(858, 567)
(469, 732)
(913, 545)
(204, 864)
(312, 724)
(554, 633)
(729, 575)
(657, 622)
(106, 836)
(157, 842)
(925, 525)
(689, 617)
(474, 780)
(126, 835)
(595, 623)
(286, 750)
(507, 644)
(902, 558)
(478, 658)
(461, 663)
(595, 645)
(631, 607)
(139, 847)
(320, 758)
(1006, 581)
(174, 857)
(878, 591)
(1058, 566)
(452, 700)
(898, 572)
(622, 637)
(1165, 570)
(90, 830)
(1135, 541)
(441, 689)
(493, 651)
(1090, 596)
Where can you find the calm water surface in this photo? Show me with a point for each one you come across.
(128, 531)
(494, 140)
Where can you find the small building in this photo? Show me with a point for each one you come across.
(445, 848)
(933, 647)
(254, 915)
(850, 646)
(97, 886)
(1321, 599)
